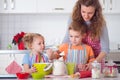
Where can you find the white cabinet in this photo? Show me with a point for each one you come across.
(55, 6)
(17, 6)
(3, 6)
(110, 6)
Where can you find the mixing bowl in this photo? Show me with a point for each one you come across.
(41, 70)
(37, 75)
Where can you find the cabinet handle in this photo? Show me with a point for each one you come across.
(110, 4)
(12, 4)
(58, 8)
(5, 4)
(103, 4)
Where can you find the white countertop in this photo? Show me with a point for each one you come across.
(66, 78)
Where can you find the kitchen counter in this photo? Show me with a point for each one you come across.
(115, 51)
(67, 78)
(13, 51)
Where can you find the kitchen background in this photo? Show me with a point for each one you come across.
(51, 26)
(49, 18)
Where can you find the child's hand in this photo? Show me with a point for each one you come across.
(82, 67)
(56, 55)
(49, 52)
(33, 69)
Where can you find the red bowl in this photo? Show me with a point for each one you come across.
(22, 75)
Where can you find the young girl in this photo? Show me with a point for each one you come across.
(35, 43)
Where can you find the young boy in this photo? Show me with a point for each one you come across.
(76, 51)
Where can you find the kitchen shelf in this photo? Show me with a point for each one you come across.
(14, 51)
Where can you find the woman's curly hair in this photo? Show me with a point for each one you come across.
(97, 21)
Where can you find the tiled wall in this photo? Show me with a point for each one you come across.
(51, 26)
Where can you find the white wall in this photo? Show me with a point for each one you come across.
(51, 26)
(113, 24)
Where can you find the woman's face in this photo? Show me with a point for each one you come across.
(87, 12)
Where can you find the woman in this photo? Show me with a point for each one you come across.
(89, 12)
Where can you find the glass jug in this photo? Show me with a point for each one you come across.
(96, 70)
(110, 69)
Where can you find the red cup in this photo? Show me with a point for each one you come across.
(22, 75)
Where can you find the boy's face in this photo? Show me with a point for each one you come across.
(75, 37)
(38, 44)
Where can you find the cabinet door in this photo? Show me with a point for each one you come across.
(23, 6)
(114, 6)
(55, 6)
(110, 6)
(17, 6)
(3, 6)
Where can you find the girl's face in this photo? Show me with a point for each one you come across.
(87, 12)
(38, 44)
(75, 37)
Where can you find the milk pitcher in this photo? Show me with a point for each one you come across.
(59, 67)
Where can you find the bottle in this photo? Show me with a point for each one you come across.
(96, 70)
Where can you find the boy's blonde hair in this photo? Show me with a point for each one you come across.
(29, 37)
(76, 26)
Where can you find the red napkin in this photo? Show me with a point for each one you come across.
(85, 74)
(13, 68)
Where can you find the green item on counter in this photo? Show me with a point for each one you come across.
(9, 46)
(37, 75)
(70, 68)
(40, 68)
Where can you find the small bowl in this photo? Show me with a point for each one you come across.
(37, 75)
(22, 75)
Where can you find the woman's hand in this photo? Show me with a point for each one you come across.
(88, 66)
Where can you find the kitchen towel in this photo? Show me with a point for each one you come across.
(13, 68)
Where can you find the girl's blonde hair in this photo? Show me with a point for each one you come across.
(28, 39)
(97, 21)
